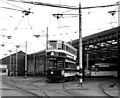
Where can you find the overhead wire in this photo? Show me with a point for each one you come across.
(58, 25)
(69, 31)
(65, 6)
(46, 4)
(20, 21)
(59, 4)
(13, 5)
(31, 28)
(11, 16)
(61, 24)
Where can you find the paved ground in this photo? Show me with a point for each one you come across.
(90, 87)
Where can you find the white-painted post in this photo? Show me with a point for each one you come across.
(119, 13)
(26, 59)
(80, 46)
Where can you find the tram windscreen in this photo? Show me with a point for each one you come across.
(55, 64)
(52, 44)
(52, 64)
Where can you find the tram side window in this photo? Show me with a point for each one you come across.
(2, 70)
(95, 69)
(70, 65)
(68, 48)
(63, 46)
(59, 46)
(60, 64)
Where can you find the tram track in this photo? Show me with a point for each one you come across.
(102, 87)
(46, 88)
(15, 84)
(42, 89)
(23, 91)
(69, 90)
(57, 89)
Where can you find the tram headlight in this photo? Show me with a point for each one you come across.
(51, 72)
(62, 72)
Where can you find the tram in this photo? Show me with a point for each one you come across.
(104, 69)
(3, 70)
(61, 60)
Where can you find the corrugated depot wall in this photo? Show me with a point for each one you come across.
(20, 63)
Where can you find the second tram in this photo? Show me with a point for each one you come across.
(104, 69)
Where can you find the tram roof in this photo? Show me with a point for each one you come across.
(44, 50)
(67, 43)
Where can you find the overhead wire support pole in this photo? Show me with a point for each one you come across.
(80, 45)
(16, 63)
(16, 69)
(46, 51)
(26, 59)
(118, 42)
(10, 62)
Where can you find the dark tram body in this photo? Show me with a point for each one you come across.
(61, 60)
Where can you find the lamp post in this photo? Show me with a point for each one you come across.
(119, 13)
(34, 65)
(10, 61)
(46, 50)
(26, 60)
(37, 36)
(118, 41)
(87, 61)
(80, 46)
(13, 68)
(16, 71)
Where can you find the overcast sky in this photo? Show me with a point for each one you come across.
(66, 28)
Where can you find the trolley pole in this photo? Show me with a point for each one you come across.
(80, 47)
(26, 59)
(46, 50)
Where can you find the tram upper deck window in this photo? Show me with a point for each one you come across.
(59, 45)
(63, 46)
(67, 48)
(52, 45)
